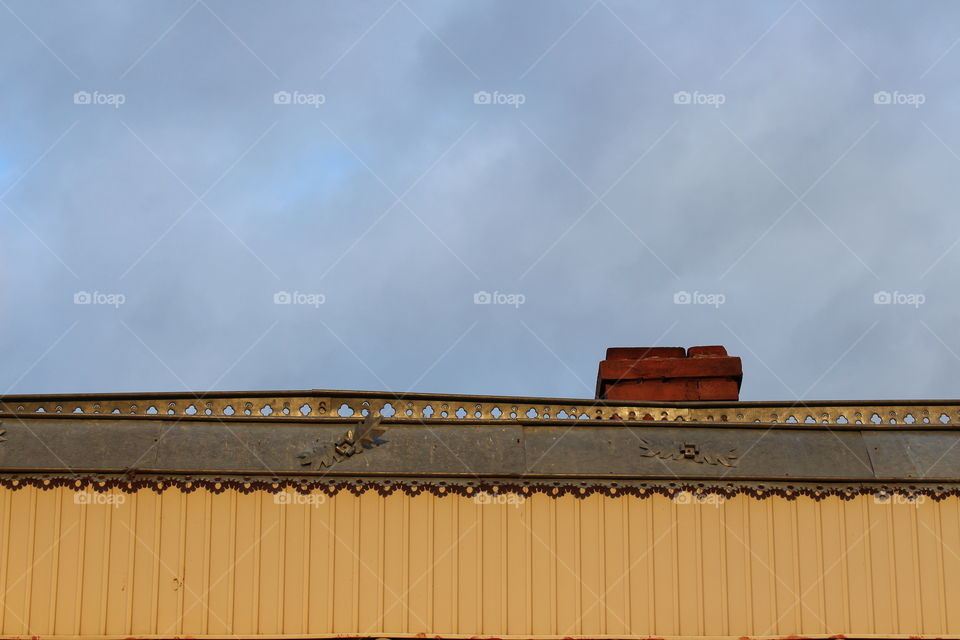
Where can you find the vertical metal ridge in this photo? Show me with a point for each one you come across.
(748, 567)
(577, 559)
(6, 531)
(55, 562)
(625, 502)
(892, 561)
(650, 565)
(131, 563)
(868, 550)
(155, 588)
(31, 548)
(554, 613)
(431, 560)
(844, 564)
(956, 510)
(527, 521)
(724, 572)
(257, 558)
(504, 575)
(795, 552)
(698, 561)
(283, 513)
(81, 546)
(455, 581)
(355, 552)
(182, 560)
(232, 561)
(941, 578)
(405, 573)
(675, 566)
(331, 560)
(207, 552)
(105, 575)
(305, 562)
(381, 564)
(478, 510)
(602, 561)
(772, 557)
(914, 546)
(821, 582)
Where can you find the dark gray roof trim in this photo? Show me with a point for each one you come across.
(558, 456)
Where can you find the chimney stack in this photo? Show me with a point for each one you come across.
(669, 374)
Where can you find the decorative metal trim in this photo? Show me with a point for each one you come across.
(688, 451)
(695, 491)
(327, 454)
(337, 405)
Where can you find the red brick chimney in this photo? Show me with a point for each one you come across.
(669, 374)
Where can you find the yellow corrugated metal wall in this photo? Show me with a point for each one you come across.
(199, 564)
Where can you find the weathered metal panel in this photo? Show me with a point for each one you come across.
(917, 454)
(59, 446)
(310, 565)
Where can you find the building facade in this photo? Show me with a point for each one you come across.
(347, 514)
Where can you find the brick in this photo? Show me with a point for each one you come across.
(659, 368)
(639, 353)
(718, 389)
(669, 374)
(654, 391)
(715, 350)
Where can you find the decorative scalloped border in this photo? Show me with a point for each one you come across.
(471, 488)
(327, 406)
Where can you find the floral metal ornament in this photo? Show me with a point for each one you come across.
(326, 454)
(688, 451)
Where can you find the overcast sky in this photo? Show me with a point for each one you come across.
(294, 195)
